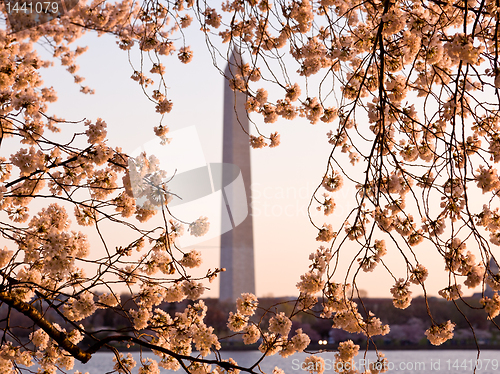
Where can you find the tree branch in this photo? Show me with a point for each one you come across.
(61, 338)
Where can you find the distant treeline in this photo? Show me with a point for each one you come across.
(407, 326)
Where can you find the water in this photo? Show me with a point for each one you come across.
(401, 362)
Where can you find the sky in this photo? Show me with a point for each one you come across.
(283, 178)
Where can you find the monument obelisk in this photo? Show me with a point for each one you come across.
(237, 255)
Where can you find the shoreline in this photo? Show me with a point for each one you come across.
(382, 347)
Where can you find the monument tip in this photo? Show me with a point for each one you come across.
(234, 63)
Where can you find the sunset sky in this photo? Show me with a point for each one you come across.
(283, 178)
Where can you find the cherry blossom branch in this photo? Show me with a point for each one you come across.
(37, 317)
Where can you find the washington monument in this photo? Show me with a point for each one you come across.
(237, 244)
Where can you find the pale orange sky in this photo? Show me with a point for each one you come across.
(283, 177)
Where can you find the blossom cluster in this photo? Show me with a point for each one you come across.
(401, 101)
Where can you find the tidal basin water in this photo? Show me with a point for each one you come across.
(401, 362)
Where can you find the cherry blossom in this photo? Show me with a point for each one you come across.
(407, 93)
